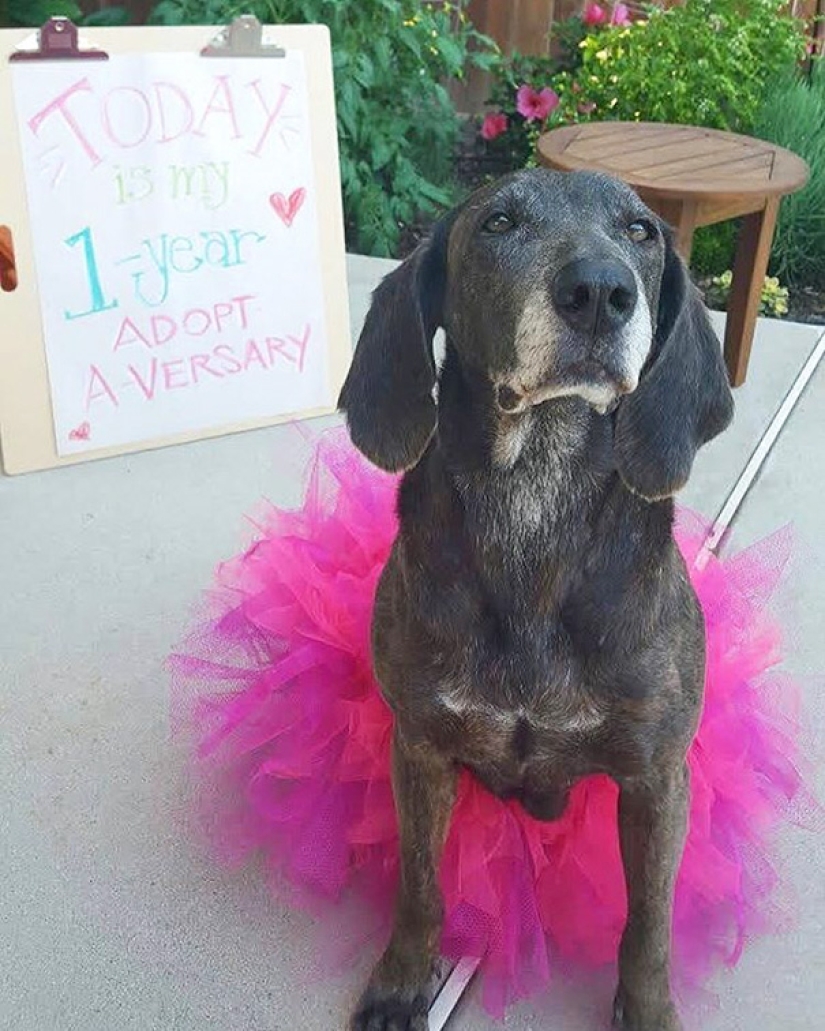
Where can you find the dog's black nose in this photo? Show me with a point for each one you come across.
(595, 295)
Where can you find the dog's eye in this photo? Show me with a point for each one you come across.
(498, 223)
(640, 231)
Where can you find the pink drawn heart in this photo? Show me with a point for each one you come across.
(286, 210)
(81, 432)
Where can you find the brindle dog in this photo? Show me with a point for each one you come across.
(535, 622)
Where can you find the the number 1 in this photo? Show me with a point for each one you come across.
(95, 289)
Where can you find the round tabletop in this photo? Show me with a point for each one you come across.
(675, 160)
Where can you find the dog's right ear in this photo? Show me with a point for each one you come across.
(388, 394)
(683, 400)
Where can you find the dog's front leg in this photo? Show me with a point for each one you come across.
(652, 828)
(396, 996)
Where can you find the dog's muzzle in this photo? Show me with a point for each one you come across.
(599, 338)
(597, 300)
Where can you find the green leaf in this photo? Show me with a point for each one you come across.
(364, 71)
(450, 51)
(108, 16)
(33, 13)
(167, 12)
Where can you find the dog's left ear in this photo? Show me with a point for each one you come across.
(388, 393)
(683, 399)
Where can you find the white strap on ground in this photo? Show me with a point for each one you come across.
(740, 489)
(452, 990)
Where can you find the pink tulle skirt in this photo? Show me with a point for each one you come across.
(292, 750)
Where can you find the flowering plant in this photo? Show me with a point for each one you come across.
(532, 94)
(773, 300)
(702, 62)
(596, 14)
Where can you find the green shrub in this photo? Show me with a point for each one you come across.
(703, 62)
(32, 13)
(713, 249)
(793, 116)
(397, 126)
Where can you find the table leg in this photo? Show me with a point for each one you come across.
(681, 215)
(685, 228)
(753, 249)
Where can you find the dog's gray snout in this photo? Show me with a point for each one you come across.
(595, 295)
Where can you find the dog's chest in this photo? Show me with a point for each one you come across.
(532, 754)
(517, 693)
(512, 736)
(520, 735)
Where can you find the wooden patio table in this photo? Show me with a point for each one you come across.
(695, 177)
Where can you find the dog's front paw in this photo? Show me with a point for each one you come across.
(644, 1015)
(384, 1010)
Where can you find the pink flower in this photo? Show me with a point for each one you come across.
(594, 14)
(536, 104)
(494, 124)
(587, 107)
(621, 15)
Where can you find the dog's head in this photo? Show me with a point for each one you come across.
(548, 285)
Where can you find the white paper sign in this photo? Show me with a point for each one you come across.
(173, 212)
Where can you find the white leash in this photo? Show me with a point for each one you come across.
(733, 502)
(451, 991)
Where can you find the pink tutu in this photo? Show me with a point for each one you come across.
(293, 739)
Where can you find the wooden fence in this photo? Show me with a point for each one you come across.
(523, 25)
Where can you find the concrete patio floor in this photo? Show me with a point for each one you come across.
(112, 918)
